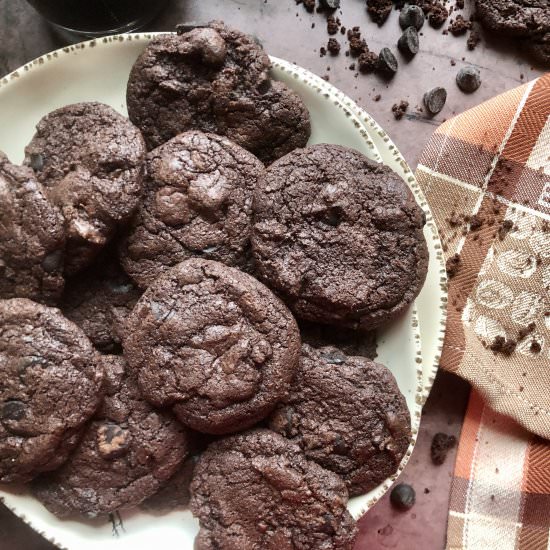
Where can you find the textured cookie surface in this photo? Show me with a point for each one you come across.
(99, 300)
(214, 79)
(257, 491)
(515, 17)
(197, 202)
(91, 161)
(348, 415)
(214, 343)
(338, 237)
(50, 385)
(32, 237)
(127, 452)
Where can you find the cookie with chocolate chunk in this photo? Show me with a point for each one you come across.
(523, 18)
(197, 202)
(347, 414)
(257, 490)
(50, 385)
(339, 237)
(214, 344)
(32, 237)
(126, 454)
(90, 159)
(215, 79)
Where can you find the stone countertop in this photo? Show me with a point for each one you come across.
(289, 32)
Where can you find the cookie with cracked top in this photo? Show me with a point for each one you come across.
(32, 237)
(257, 491)
(90, 159)
(50, 384)
(347, 414)
(214, 344)
(215, 79)
(98, 300)
(524, 18)
(197, 202)
(127, 452)
(339, 237)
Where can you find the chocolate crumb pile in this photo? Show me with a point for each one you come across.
(503, 346)
(399, 109)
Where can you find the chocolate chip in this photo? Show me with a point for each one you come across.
(468, 79)
(367, 62)
(112, 440)
(403, 496)
(387, 63)
(330, 4)
(52, 261)
(408, 42)
(13, 410)
(411, 16)
(36, 161)
(435, 99)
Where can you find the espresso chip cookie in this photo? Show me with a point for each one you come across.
(50, 385)
(348, 415)
(32, 237)
(257, 491)
(99, 300)
(91, 161)
(214, 79)
(197, 202)
(213, 343)
(339, 237)
(127, 452)
(523, 18)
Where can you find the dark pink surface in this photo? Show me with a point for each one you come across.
(286, 31)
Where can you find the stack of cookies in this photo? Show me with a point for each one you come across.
(165, 281)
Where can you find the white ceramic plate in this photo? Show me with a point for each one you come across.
(98, 70)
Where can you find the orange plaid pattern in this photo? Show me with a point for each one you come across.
(486, 176)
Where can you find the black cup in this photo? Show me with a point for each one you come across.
(91, 18)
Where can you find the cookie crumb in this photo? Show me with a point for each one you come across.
(535, 347)
(525, 331)
(441, 445)
(459, 26)
(503, 346)
(333, 46)
(399, 109)
(379, 10)
(367, 62)
(453, 265)
(505, 227)
(377, 97)
(474, 38)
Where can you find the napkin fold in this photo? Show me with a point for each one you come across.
(486, 176)
(500, 495)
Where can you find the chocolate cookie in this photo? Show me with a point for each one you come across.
(50, 385)
(214, 79)
(127, 452)
(339, 237)
(99, 300)
(257, 491)
(32, 237)
(91, 160)
(213, 343)
(176, 491)
(348, 415)
(198, 202)
(539, 47)
(524, 18)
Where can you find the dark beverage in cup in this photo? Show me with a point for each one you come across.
(98, 17)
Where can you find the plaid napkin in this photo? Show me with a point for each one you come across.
(486, 176)
(500, 496)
